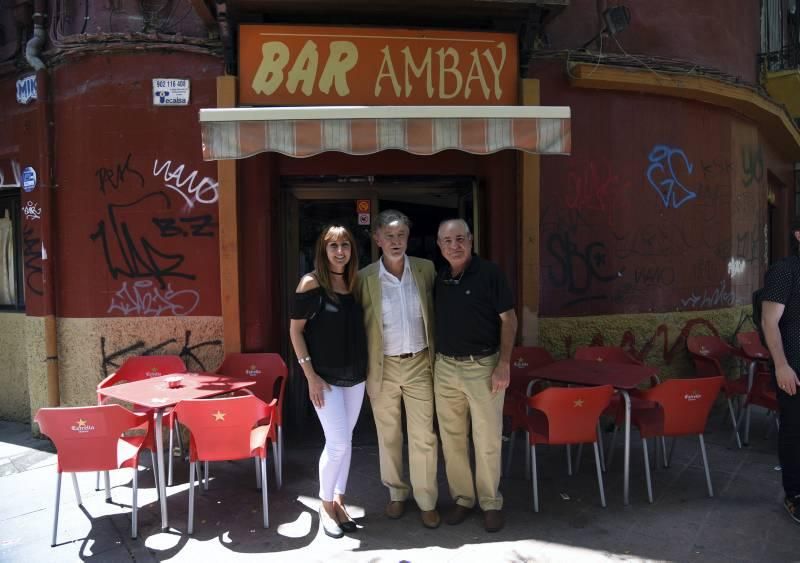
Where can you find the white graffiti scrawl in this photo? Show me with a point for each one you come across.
(144, 299)
(204, 191)
(32, 211)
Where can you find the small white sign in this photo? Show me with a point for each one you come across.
(26, 89)
(28, 179)
(170, 92)
(363, 218)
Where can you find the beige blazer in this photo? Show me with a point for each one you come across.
(368, 292)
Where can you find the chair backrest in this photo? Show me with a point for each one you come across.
(572, 412)
(220, 428)
(269, 371)
(685, 403)
(523, 360)
(137, 368)
(611, 354)
(707, 353)
(752, 341)
(86, 438)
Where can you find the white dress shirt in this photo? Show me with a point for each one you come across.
(403, 325)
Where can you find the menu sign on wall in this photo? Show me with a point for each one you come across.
(291, 65)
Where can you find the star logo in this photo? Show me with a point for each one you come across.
(520, 363)
(219, 415)
(153, 372)
(81, 423)
(578, 403)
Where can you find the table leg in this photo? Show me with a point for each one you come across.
(162, 490)
(627, 460)
(751, 372)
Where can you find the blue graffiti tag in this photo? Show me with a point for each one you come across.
(669, 188)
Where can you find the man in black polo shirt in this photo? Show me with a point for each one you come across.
(475, 329)
(780, 321)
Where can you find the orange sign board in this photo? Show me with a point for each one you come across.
(299, 65)
(362, 205)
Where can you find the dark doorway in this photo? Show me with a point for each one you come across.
(311, 203)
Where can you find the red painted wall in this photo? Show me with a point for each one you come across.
(661, 206)
(135, 204)
(716, 33)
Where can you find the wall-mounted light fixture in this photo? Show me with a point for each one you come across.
(616, 18)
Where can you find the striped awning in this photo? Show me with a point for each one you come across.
(230, 133)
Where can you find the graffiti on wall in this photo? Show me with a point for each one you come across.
(668, 166)
(140, 236)
(112, 358)
(32, 254)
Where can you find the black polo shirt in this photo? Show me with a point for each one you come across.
(468, 314)
(782, 285)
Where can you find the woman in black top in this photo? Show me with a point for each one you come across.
(327, 332)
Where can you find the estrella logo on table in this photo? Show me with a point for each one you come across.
(82, 426)
(154, 372)
(693, 396)
(253, 371)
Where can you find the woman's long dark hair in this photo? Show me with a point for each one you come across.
(323, 268)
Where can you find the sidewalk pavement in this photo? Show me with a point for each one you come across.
(744, 522)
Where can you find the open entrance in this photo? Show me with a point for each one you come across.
(310, 203)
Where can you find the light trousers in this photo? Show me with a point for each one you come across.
(408, 381)
(338, 418)
(464, 394)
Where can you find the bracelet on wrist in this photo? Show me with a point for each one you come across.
(301, 361)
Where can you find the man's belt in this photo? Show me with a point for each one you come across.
(408, 355)
(471, 357)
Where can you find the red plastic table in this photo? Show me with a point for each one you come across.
(155, 393)
(622, 377)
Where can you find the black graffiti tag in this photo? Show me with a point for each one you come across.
(115, 177)
(111, 361)
(137, 256)
(32, 254)
(577, 269)
(199, 226)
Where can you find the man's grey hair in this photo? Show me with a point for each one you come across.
(459, 221)
(389, 216)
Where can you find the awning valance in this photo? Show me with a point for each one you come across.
(230, 133)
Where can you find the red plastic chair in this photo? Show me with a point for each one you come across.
(91, 439)
(523, 360)
(270, 373)
(762, 393)
(680, 408)
(137, 368)
(223, 429)
(568, 415)
(707, 354)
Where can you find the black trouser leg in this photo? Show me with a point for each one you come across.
(789, 441)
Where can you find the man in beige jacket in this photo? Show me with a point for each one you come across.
(396, 293)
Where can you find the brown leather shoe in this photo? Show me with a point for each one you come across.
(493, 520)
(395, 509)
(457, 515)
(430, 518)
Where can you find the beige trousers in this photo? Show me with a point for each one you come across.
(408, 381)
(464, 389)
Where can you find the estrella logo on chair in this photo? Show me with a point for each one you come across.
(83, 426)
(153, 372)
(520, 363)
(219, 415)
(693, 396)
(252, 371)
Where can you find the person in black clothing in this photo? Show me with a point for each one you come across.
(328, 336)
(780, 321)
(475, 329)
